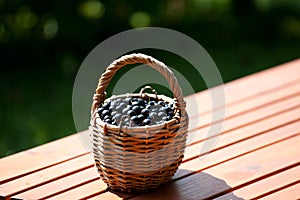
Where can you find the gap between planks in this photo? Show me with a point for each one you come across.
(291, 192)
(279, 189)
(267, 186)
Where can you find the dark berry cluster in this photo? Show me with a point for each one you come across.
(138, 112)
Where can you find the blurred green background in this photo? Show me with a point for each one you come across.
(42, 44)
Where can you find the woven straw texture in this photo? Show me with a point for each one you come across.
(138, 159)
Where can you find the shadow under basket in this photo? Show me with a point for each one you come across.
(140, 158)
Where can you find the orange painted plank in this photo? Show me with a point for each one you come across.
(266, 185)
(107, 196)
(245, 118)
(247, 106)
(264, 80)
(264, 99)
(40, 157)
(204, 120)
(260, 83)
(238, 149)
(247, 131)
(231, 174)
(45, 175)
(61, 185)
(292, 192)
(236, 115)
(196, 108)
(82, 191)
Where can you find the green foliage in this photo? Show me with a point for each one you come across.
(42, 44)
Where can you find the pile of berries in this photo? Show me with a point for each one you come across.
(139, 112)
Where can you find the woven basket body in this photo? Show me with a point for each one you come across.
(138, 159)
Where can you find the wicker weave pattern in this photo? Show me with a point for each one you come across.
(137, 159)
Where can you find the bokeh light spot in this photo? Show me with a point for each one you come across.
(203, 4)
(2, 31)
(222, 5)
(50, 28)
(263, 5)
(92, 9)
(175, 9)
(139, 19)
(207, 6)
(292, 26)
(24, 20)
(68, 64)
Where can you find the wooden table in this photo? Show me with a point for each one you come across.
(256, 156)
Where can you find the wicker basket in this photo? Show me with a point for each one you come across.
(138, 159)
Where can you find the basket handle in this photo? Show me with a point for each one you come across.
(134, 58)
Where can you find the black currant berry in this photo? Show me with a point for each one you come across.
(131, 113)
(146, 121)
(100, 110)
(136, 109)
(106, 105)
(141, 117)
(135, 119)
(105, 112)
(145, 112)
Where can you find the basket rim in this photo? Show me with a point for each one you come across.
(125, 129)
